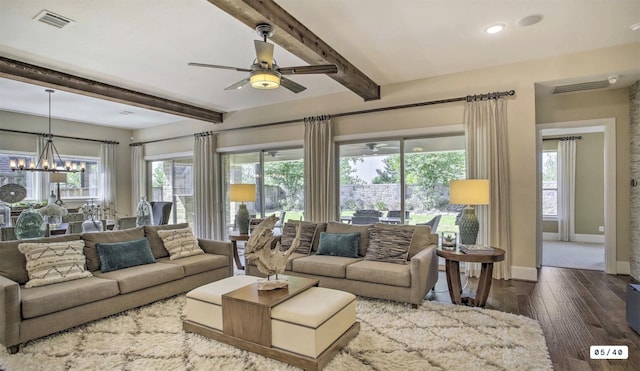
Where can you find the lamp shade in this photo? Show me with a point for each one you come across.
(242, 192)
(264, 80)
(469, 192)
(58, 178)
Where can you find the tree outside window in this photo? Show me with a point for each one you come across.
(550, 183)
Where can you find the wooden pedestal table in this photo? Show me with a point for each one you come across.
(452, 265)
(234, 241)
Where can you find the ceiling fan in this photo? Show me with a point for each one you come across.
(264, 73)
(375, 147)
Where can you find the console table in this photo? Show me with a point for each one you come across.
(452, 267)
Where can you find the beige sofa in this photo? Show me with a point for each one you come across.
(408, 282)
(30, 313)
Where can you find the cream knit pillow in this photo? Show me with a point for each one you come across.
(54, 262)
(180, 243)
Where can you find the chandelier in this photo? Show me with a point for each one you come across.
(49, 159)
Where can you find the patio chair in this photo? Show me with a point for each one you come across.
(433, 223)
(161, 212)
(358, 219)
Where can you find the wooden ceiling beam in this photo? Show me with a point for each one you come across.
(293, 36)
(20, 71)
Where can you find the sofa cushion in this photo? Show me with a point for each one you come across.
(335, 227)
(324, 265)
(91, 239)
(389, 245)
(307, 236)
(180, 243)
(53, 262)
(13, 264)
(119, 255)
(143, 276)
(379, 272)
(198, 263)
(339, 244)
(157, 247)
(38, 301)
(420, 239)
(289, 265)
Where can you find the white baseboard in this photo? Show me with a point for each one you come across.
(592, 238)
(524, 273)
(623, 268)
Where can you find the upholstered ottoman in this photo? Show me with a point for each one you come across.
(204, 304)
(311, 321)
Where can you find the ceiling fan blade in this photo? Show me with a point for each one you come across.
(291, 85)
(238, 84)
(221, 67)
(316, 68)
(264, 52)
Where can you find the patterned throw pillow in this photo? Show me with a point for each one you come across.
(389, 245)
(180, 243)
(54, 262)
(307, 235)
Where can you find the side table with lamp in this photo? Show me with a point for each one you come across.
(241, 193)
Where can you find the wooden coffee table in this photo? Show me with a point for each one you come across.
(452, 265)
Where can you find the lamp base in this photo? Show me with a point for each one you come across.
(469, 226)
(242, 219)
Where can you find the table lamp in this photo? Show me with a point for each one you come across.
(242, 193)
(469, 192)
(58, 178)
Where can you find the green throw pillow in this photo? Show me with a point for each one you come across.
(119, 255)
(339, 244)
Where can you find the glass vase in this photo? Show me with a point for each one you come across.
(144, 213)
(30, 224)
(92, 225)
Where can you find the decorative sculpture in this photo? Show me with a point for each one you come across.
(269, 261)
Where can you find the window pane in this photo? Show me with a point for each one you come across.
(81, 185)
(172, 181)
(549, 166)
(430, 163)
(369, 182)
(23, 178)
(240, 168)
(284, 183)
(550, 202)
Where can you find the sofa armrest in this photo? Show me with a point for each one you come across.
(424, 273)
(218, 248)
(9, 312)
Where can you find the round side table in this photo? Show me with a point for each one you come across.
(452, 265)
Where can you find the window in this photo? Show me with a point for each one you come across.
(172, 180)
(78, 185)
(382, 179)
(550, 183)
(279, 179)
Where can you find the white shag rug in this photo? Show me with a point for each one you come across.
(393, 336)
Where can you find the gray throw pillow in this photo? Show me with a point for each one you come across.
(389, 245)
(339, 244)
(120, 255)
(306, 236)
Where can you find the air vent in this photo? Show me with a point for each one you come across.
(53, 19)
(580, 87)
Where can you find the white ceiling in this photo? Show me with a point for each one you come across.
(145, 45)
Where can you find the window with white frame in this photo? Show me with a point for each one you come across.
(550, 183)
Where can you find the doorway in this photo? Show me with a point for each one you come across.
(591, 244)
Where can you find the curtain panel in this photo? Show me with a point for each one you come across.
(566, 190)
(206, 188)
(485, 123)
(319, 170)
(108, 152)
(138, 172)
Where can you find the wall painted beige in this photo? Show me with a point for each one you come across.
(27, 143)
(589, 202)
(594, 105)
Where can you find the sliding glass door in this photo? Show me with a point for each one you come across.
(404, 181)
(172, 180)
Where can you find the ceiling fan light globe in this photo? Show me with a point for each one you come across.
(264, 80)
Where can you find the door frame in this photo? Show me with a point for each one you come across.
(610, 180)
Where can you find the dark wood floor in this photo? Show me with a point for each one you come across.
(576, 309)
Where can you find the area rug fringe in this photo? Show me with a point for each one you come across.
(393, 336)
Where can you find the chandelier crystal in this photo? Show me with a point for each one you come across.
(49, 159)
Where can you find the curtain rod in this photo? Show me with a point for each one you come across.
(59, 136)
(574, 137)
(468, 98)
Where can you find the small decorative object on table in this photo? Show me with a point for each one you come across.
(449, 240)
(52, 213)
(144, 213)
(91, 213)
(476, 249)
(30, 224)
(269, 261)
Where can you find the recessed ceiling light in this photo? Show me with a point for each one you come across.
(529, 20)
(635, 26)
(494, 28)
